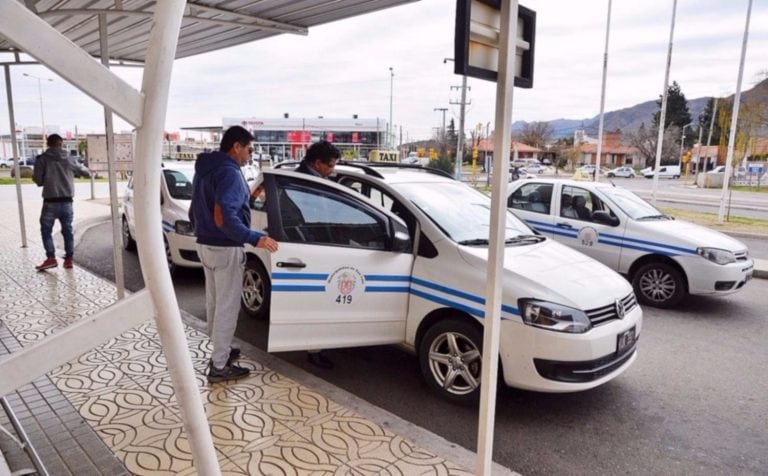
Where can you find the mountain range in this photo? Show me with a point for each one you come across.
(630, 118)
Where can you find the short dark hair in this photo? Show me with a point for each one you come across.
(323, 151)
(235, 134)
(54, 140)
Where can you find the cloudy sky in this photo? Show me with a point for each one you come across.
(341, 69)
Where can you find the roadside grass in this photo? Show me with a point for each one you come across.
(732, 223)
(750, 188)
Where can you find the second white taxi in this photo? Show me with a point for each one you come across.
(664, 259)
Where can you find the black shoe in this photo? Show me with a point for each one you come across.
(229, 372)
(319, 360)
(234, 354)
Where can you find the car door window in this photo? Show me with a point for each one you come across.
(324, 217)
(382, 199)
(532, 197)
(580, 203)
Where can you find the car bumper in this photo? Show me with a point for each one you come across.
(556, 362)
(183, 250)
(705, 277)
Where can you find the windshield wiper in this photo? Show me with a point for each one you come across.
(474, 242)
(524, 239)
(655, 217)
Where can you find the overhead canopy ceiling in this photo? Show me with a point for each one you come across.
(208, 24)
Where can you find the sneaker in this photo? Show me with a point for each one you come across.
(234, 354)
(47, 264)
(68, 263)
(229, 372)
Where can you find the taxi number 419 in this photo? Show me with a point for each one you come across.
(344, 299)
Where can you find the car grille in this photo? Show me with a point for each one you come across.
(741, 255)
(601, 315)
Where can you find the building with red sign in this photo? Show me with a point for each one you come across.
(287, 138)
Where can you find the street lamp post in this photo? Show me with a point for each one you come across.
(40, 95)
(389, 124)
(682, 144)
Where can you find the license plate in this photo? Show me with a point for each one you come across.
(625, 340)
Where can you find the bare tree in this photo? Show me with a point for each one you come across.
(536, 134)
(645, 140)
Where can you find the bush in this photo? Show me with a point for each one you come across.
(445, 164)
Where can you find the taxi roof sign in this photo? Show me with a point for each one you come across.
(476, 43)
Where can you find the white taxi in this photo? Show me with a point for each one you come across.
(664, 258)
(398, 255)
(175, 198)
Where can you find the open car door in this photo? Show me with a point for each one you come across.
(341, 277)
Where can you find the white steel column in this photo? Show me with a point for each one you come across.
(734, 119)
(15, 149)
(460, 142)
(493, 288)
(602, 96)
(663, 115)
(155, 86)
(117, 251)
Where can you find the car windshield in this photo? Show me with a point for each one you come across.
(179, 183)
(631, 204)
(463, 213)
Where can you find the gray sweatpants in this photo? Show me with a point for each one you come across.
(223, 267)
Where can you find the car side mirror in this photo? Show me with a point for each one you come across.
(401, 242)
(605, 218)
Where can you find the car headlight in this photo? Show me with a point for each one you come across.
(717, 255)
(183, 227)
(554, 317)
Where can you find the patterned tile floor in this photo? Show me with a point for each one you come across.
(265, 424)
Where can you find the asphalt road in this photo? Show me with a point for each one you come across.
(693, 403)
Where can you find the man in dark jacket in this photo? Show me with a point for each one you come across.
(55, 171)
(221, 217)
(320, 161)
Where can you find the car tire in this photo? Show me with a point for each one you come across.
(611, 175)
(453, 345)
(129, 244)
(172, 267)
(257, 289)
(659, 284)
(631, 175)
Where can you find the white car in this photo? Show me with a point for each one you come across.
(396, 255)
(175, 198)
(665, 171)
(664, 259)
(535, 169)
(627, 172)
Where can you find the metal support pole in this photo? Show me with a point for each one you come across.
(734, 118)
(493, 289)
(487, 164)
(389, 125)
(155, 85)
(663, 116)
(15, 149)
(117, 238)
(682, 144)
(602, 96)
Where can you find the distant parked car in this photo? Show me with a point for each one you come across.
(5, 163)
(717, 170)
(666, 171)
(627, 172)
(535, 168)
(646, 171)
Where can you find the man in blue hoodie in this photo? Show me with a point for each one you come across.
(221, 217)
(55, 171)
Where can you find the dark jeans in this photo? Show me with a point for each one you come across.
(51, 212)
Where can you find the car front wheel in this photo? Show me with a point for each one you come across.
(169, 257)
(659, 285)
(129, 244)
(450, 359)
(256, 290)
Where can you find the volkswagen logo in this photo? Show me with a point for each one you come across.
(620, 311)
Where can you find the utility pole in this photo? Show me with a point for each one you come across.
(389, 125)
(442, 131)
(462, 108)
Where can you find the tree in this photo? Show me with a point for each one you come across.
(536, 134)
(705, 119)
(646, 139)
(677, 110)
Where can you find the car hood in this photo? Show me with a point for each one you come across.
(681, 232)
(554, 272)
